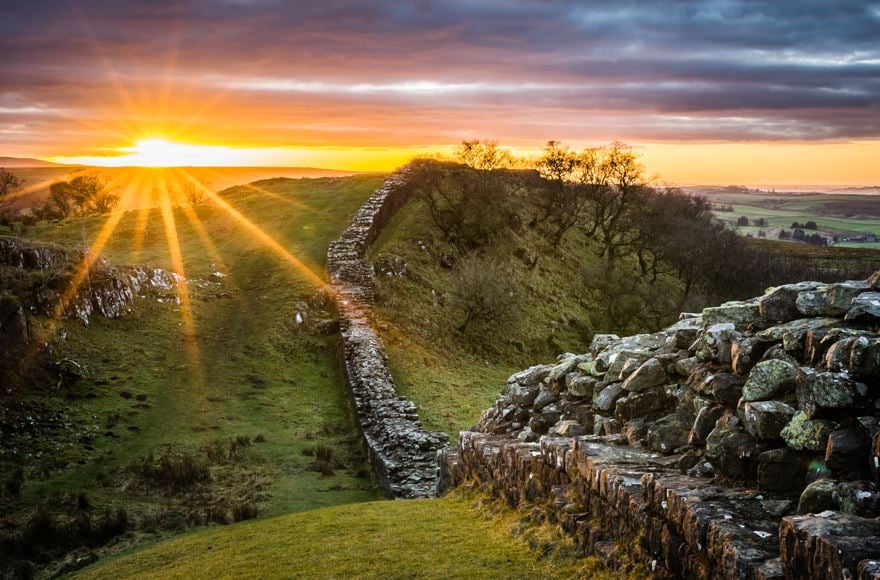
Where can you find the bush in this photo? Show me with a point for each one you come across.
(172, 471)
(482, 294)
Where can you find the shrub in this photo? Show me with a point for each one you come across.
(482, 294)
(172, 471)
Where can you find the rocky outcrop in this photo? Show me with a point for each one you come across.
(741, 442)
(403, 454)
(43, 275)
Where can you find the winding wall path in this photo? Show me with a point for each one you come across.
(403, 454)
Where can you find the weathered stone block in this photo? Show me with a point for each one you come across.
(846, 450)
(803, 433)
(768, 379)
(766, 419)
(818, 390)
(650, 374)
(780, 470)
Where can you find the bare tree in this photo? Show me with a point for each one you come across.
(469, 206)
(483, 155)
(570, 179)
(195, 193)
(9, 183)
(618, 184)
(482, 293)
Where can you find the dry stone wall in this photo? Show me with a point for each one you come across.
(403, 454)
(741, 442)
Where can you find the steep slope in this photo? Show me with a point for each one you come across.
(247, 372)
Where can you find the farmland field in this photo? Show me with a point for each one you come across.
(841, 215)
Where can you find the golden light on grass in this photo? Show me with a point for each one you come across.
(182, 287)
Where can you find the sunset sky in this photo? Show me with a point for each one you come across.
(709, 92)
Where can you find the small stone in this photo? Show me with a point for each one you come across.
(812, 302)
(726, 388)
(865, 308)
(768, 379)
(649, 374)
(608, 396)
(704, 424)
(638, 404)
(723, 427)
(739, 456)
(780, 470)
(687, 461)
(746, 352)
(777, 507)
(858, 497)
(740, 314)
(570, 429)
(840, 295)
(818, 497)
(581, 387)
(542, 422)
(702, 469)
(803, 433)
(846, 451)
(684, 367)
(665, 436)
(827, 390)
(780, 305)
(601, 342)
(522, 395)
(766, 419)
(544, 398)
(531, 376)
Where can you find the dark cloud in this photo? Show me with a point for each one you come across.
(668, 70)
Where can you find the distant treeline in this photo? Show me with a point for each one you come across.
(638, 232)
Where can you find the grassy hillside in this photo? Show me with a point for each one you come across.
(453, 376)
(247, 374)
(38, 179)
(447, 538)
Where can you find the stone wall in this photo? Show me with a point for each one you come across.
(403, 454)
(741, 442)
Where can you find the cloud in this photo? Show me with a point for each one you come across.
(421, 72)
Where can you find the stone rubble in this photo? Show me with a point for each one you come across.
(742, 442)
(402, 453)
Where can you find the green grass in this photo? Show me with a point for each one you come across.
(453, 378)
(250, 374)
(447, 538)
(834, 214)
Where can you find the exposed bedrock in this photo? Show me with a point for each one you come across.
(741, 442)
(403, 454)
(47, 280)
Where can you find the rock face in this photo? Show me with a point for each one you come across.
(703, 441)
(403, 454)
(59, 293)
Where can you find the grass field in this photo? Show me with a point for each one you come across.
(251, 373)
(835, 214)
(38, 179)
(447, 538)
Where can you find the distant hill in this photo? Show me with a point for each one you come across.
(27, 162)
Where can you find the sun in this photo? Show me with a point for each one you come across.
(160, 152)
(156, 152)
